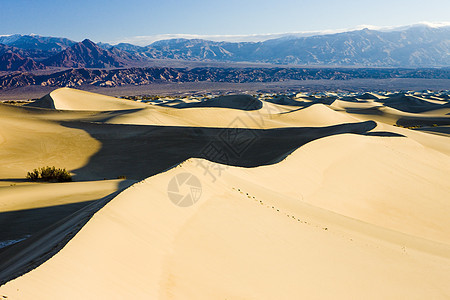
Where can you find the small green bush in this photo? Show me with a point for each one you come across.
(49, 174)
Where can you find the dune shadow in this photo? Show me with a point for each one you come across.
(365, 111)
(437, 130)
(16, 224)
(423, 121)
(411, 104)
(140, 151)
(239, 102)
(288, 101)
(48, 230)
(27, 222)
(353, 99)
(44, 102)
(304, 106)
(18, 180)
(108, 115)
(384, 134)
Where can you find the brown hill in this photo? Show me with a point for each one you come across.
(11, 61)
(85, 54)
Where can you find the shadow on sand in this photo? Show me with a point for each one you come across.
(138, 151)
(49, 228)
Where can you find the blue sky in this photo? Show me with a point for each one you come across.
(117, 20)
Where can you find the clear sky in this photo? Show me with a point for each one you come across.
(115, 20)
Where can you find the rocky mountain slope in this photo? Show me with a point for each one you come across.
(10, 61)
(85, 54)
(60, 53)
(143, 76)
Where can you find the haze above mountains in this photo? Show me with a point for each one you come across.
(412, 47)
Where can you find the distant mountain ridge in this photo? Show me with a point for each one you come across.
(85, 54)
(417, 46)
(36, 42)
(412, 47)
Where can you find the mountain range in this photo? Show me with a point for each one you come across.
(145, 76)
(29, 53)
(413, 47)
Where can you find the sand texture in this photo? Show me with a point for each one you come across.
(236, 197)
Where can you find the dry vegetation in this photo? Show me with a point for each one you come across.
(49, 174)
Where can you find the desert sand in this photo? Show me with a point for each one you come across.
(316, 197)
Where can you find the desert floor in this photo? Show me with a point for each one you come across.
(235, 197)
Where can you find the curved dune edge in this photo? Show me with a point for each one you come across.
(32, 140)
(73, 99)
(248, 237)
(269, 116)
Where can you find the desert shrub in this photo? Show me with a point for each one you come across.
(49, 174)
(34, 175)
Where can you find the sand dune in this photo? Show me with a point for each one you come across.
(232, 243)
(30, 140)
(72, 99)
(324, 199)
(413, 104)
